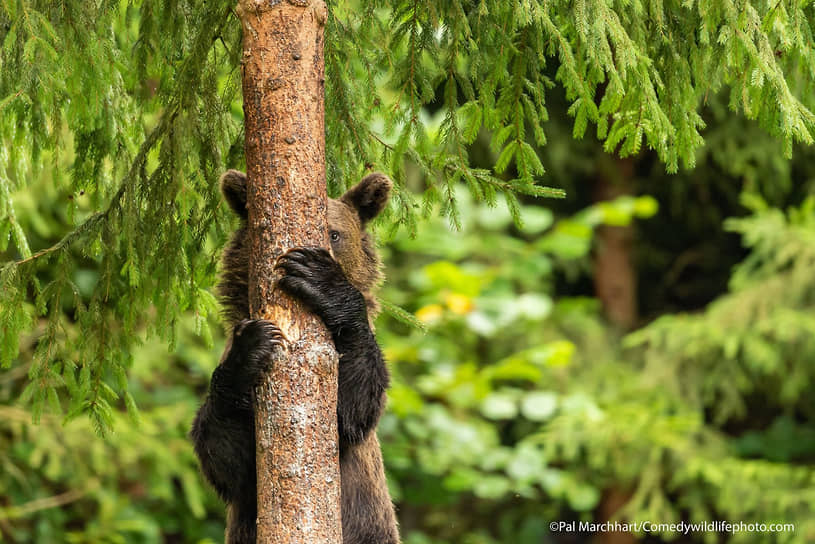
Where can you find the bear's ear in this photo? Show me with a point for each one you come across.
(369, 196)
(233, 186)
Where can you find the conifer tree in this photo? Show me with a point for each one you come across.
(126, 114)
(132, 112)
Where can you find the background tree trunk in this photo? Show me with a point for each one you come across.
(296, 407)
(615, 284)
(615, 277)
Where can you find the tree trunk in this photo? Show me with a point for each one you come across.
(615, 278)
(296, 407)
(615, 284)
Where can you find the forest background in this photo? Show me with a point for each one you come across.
(640, 349)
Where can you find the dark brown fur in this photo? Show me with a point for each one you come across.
(358, 259)
(223, 421)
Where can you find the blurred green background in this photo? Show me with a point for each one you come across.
(640, 350)
(526, 400)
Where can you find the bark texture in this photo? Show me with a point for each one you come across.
(296, 407)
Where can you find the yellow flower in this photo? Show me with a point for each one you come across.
(458, 303)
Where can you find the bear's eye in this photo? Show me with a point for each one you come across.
(335, 236)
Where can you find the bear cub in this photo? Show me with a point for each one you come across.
(340, 289)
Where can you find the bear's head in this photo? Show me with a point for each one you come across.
(351, 245)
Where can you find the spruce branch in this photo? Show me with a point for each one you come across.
(96, 220)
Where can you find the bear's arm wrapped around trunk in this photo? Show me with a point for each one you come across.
(312, 276)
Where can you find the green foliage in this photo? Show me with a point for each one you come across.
(137, 103)
(639, 71)
(519, 404)
(750, 348)
(468, 396)
(516, 407)
(61, 482)
(133, 103)
(756, 342)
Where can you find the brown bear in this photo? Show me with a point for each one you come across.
(340, 289)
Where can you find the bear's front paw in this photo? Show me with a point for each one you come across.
(253, 341)
(314, 278)
(247, 361)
